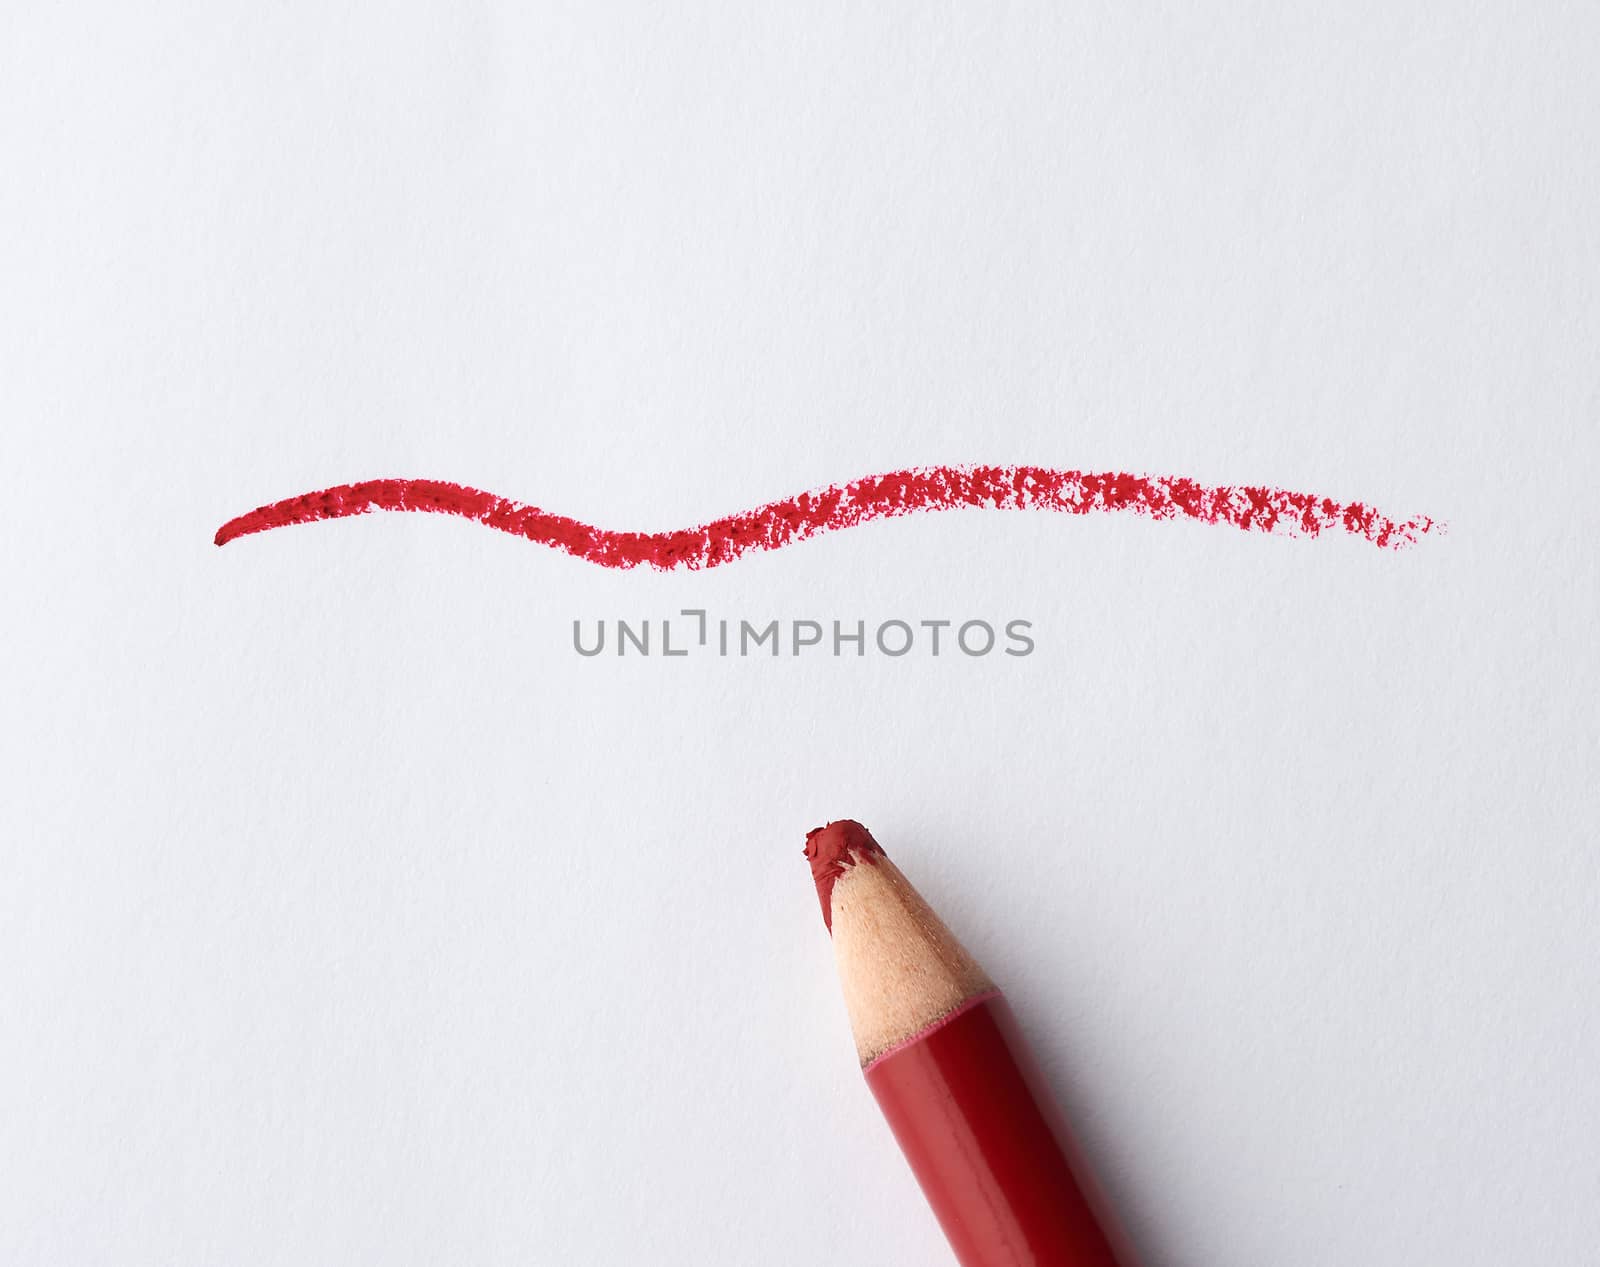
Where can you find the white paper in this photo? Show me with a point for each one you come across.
(348, 915)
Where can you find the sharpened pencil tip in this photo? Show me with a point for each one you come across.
(831, 850)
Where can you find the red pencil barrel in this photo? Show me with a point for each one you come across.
(987, 1145)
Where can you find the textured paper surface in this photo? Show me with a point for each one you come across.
(348, 915)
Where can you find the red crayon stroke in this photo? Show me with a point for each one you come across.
(909, 492)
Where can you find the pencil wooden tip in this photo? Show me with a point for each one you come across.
(832, 850)
(900, 968)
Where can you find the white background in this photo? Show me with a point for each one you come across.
(348, 916)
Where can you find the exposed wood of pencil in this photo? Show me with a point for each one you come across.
(900, 968)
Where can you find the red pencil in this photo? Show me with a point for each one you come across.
(941, 1053)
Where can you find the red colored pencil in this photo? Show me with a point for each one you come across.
(942, 1054)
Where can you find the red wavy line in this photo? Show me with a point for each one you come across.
(915, 491)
